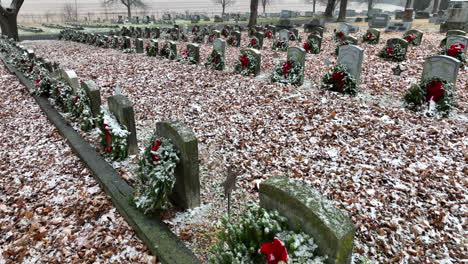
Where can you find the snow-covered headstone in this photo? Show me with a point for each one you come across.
(121, 107)
(71, 79)
(186, 193)
(403, 43)
(194, 51)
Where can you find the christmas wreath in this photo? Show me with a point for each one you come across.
(215, 61)
(412, 39)
(167, 52)
(269, 34)
(254, 43)
(232, 40)
(431, 95)
(395, 53)
(312, 46)
(338, 79)
(197, 38)
(342, 43)
(292, 36)
(151, 50)
(261, 236)
(370, 38)
(280, 45)
(247, 64)
(114, 137)
(339, 36)
(156, 177)
(82, 109)
(187, 58)
(456, 51)
(211, 38)
(288, 72)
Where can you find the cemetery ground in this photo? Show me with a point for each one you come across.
(400, 176)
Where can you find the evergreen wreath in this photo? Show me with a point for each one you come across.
(215, 61)
(434, 96)
(269, 34)
(393, 53)
(370, 38)
(292, 36)
(151, 50)
(254, 43)
(247, 64)
(312, 46)
(114, 137)
(339, 36)
(187, 58)
(280, 45)
(156, 178)
(197, 38)
(338, 79)
(82, 109)
(245, 241)
(456, 51)
(342, 43)
(288, 72)
(232, 41)
(412, 39)
(167, 52)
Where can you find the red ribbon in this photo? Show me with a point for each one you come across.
(454, 49)
(244, 61)
(287, 66)
(253, 42)
(307, 46)
(338, 77)
(108, 137)
(434, 91)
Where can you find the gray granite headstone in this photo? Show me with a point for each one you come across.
(139, 45)
(122, 109)
(154, 43)
(297, 54)
(308, 211)
(398, 26)
(456, 32)
(418, 36)
(92, 90)
(352, 56)
(317, 38)
(220, 46)
(258, 56)
(186, 193)
(237, 36)
(71, 79)
(441, 66)
(194, 51)
(31, 54)
(284, 35)
(457, 39)
(375, 32)
(403, 43)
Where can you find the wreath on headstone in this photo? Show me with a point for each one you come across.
(394, 52)
(269, 34)
(338, 79)
(370, 38)
(339, 36)
(232, 40)
(254, 42)
(167, 52)
(187, 58)
(433, 96)
(312, 46)
(151, 50)
(280, 45)
(114, 137)
(342, 43)
(82, 109)
(215, 61)
(411, 38)
(292, 36)
(456, 51)
(156, 177)
(211, 38)
(247, 64)
(288, 72)
(197, 38)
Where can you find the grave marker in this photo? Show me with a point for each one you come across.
(352, 56)
(139, 45)
(71, 79)
(92, 90)
(284, 35)
(444, 67)
(194, 51)
(122, 109)
(418, 36)
(457, 39)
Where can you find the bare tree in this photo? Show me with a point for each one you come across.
(435, 8)
(129, 4)
(343, 6)
(409, 4)
(226, 3)
(8, 19)
(331, 6)
(265, 3)
(253, 13)
(48, 16)
(68, 12)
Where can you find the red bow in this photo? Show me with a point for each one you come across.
(253, 42)
(338, 77)
(108, 137)
(390, 50)
(155, 147)
(410, 38)
(287, 66)
(369, 36)
(434, 91)
(307, 46)
(454, 49)
(275, 251)
(244, 61)
(340, 35)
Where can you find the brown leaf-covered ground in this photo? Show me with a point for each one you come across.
(400, 176)
(51, 208)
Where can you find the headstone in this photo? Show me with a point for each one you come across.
(317, 38)
(456, 32)
(156, 32)
(418, 36)
(31, 54)
(154, 44)
(238, 37)
(408, 15)
(194, 51)
(351, 39)
(457, 39)
(139, 45)
(71, 78)
(403, 43)
(297, 54)
(398, 26)
(352, 56)
(306, 210)
(220, 46)
(441, 66)
(379, 21)
(258, 57)
(284, 35)
(186, 192)
(92, 91)
(260, 36)
(348, 28)
(127, 43)
(375, 33)
(122, 109)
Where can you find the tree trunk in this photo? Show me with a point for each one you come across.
(342, 14)
(408, 4)
(224, 8)
(8, 19)
(129, 12)
(253, 13)
(330, 8)
(314, 3)
(370, 4)
(435, 8)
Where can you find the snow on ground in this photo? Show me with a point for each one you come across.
(400, 176)
(51, 208)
